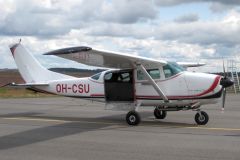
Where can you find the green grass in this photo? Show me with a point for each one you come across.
(3, 90)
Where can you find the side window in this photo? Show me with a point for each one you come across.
(154, 73)
(124, 77)
(140, 75)
(119, 77)
(167, 72)
(108, 76)
(96, 76)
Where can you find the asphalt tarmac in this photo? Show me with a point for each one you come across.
(73, 129)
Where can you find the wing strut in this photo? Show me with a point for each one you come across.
(155, 86)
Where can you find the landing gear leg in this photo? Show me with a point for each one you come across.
(201, 117)
(133, 118)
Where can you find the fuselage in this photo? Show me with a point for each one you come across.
(182, 88)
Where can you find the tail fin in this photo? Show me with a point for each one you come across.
(30, 69)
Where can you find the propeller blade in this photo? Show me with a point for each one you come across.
(224, 71)
(223, 98)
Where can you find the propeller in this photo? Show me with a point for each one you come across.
(225, 82)
(224, 89)
(224, 71)
(224, 92)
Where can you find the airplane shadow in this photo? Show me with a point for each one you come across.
(47, 133)
(74, 125)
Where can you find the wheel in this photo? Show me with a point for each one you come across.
(159, 114)
(201, 119)
(133, 118)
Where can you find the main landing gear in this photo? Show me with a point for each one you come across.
(201, 117)
(133, 118)
(159, 114)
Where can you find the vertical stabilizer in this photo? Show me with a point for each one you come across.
(30, 69)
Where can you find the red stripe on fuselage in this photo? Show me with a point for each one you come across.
(213, 86)
(97, 95)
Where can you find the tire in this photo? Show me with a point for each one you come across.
(160, 114)
(201, 120)
(133, 118)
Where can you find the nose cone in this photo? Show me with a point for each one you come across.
(226, 82)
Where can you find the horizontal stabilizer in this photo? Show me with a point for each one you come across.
(25, 85)
(190, 64)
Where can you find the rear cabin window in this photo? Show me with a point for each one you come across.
(96, 76)
(118, 77)
(154, 73)
(124, 77)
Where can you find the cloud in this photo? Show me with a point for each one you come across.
(128, 11)
(132, 26)
(52, 18)
(178, 2)
(216, 32)
(220, 32)
(36, 18)
(178, 41)
(187, 18)
(216, 6)
(122, 30)
(220, 7)
(172, 2)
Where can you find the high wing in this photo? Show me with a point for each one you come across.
(102, 58)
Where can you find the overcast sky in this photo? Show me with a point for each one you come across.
(176, 30)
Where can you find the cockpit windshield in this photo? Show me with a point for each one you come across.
(171, 69)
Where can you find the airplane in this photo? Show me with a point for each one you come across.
(130, 82)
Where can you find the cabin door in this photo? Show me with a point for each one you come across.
(119, 86)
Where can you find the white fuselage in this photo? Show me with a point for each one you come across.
(147, 83)
(182, 89)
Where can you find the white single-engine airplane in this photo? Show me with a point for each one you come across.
(132, 82)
